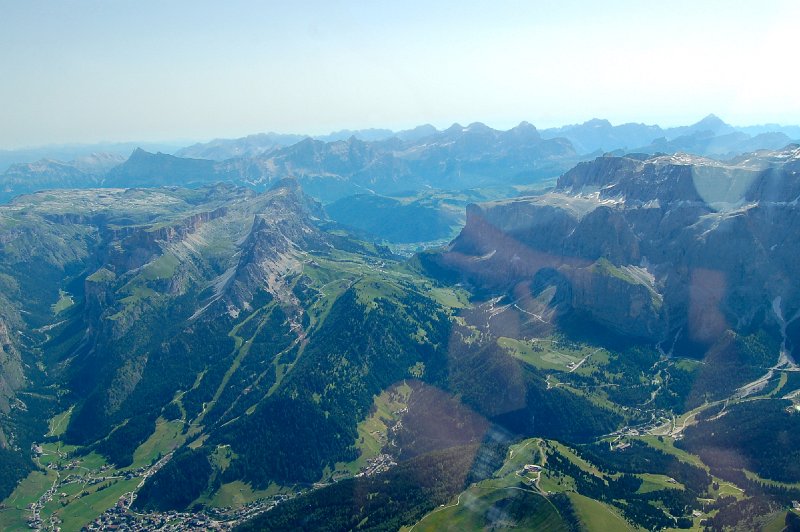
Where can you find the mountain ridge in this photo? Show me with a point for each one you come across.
(357, 162)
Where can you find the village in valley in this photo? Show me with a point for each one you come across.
(76, 478)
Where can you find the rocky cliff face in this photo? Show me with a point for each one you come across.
(651, 245)
(272, 248)
(12, 369)
(143, 169)
(623, 299)
(11, 374)
(131, 247)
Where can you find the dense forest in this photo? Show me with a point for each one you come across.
(387, 501)
(355, 354)
(13, 466)
(760, 436)
(189, 469)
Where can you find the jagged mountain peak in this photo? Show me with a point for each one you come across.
(524, 131)
(711, 121)
(289, 191)
(455, 128)
(524, 125)
(158, 169)
(597, 123)
(139, 153)
(417, 133)
(282, 229)
(478, 127)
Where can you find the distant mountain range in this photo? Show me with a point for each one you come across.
(70, 152)
(85, 172)
(456, 158)
(600, 136)
(381, 161)
(590, 137)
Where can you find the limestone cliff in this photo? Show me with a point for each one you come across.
(650, 245)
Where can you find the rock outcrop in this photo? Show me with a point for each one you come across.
(650, 245)
(11, 374)
(271, 249)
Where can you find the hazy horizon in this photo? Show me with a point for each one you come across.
(89, 71)
(181, 143)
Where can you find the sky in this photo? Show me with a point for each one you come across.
(111, 70)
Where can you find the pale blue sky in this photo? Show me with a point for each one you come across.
(112, 70)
